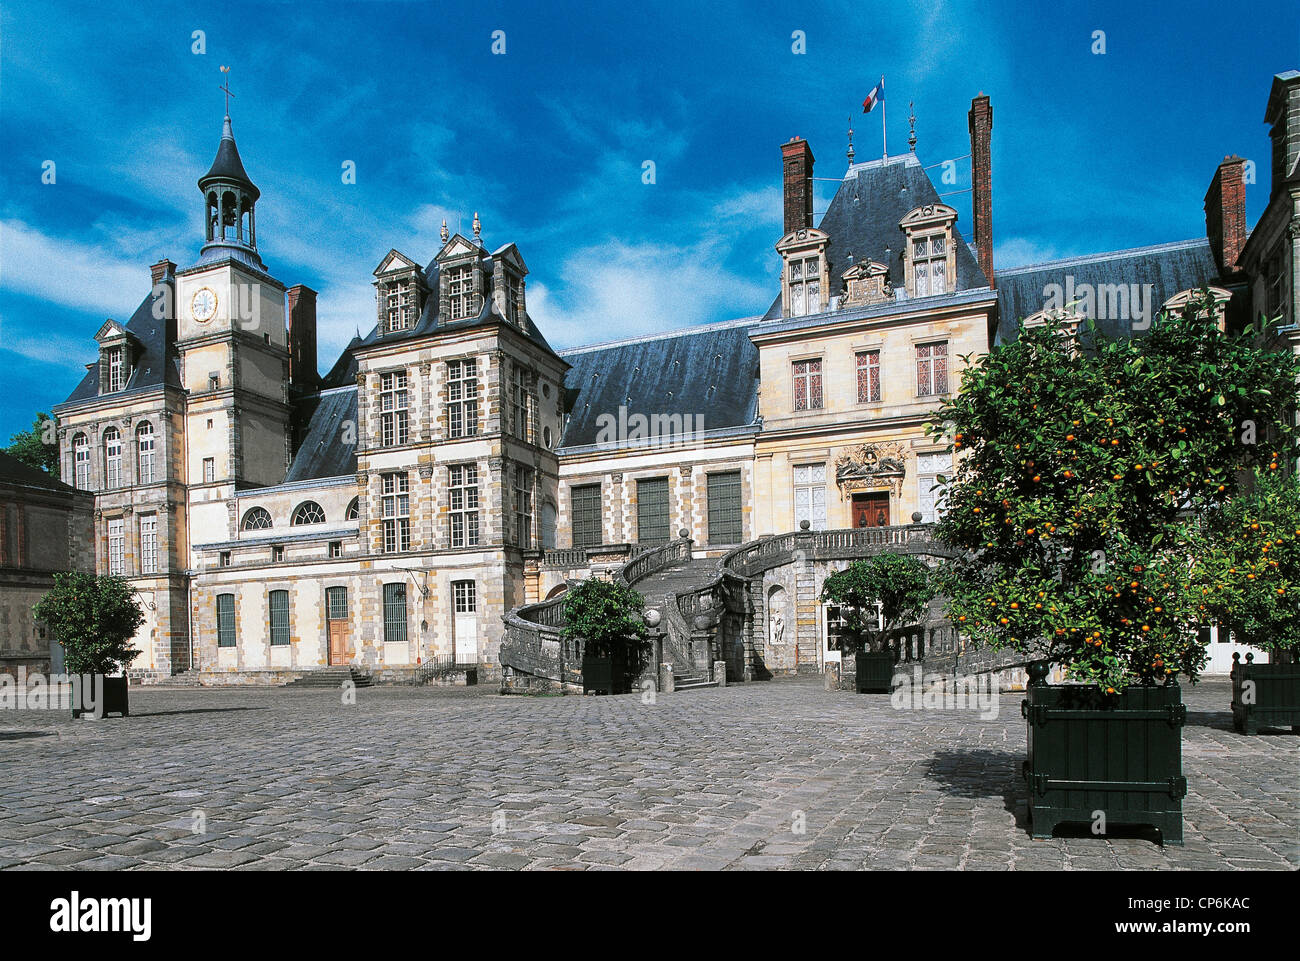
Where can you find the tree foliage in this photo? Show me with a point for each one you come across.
(900, 583)
(607, 615)
(37, 447)
(94, 619)
(1248, 562)
(1084, 466)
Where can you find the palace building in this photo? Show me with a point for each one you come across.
(451, 465)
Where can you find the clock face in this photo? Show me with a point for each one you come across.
(203, 305)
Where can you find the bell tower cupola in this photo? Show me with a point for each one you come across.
(229, 199)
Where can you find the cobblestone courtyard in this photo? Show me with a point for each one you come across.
(464, 778)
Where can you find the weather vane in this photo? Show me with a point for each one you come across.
(226, 88)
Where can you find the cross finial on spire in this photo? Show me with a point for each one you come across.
(226, 88)
(911, 121)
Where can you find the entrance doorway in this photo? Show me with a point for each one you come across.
(336, 617)
(871, 510)
(1221, 645)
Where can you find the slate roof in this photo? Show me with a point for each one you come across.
(155, 366)
(227, 165)
(322, 451)
(428, 322)
(14, 471)
(863, 221)
(709, 372)
(1170, 268)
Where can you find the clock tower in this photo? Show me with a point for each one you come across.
(233, 349)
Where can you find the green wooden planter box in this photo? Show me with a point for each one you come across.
(1119, 754)
(113, 692)
(1264, 695)
(604, 675)
(875, 672)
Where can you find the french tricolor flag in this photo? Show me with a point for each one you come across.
(876, 96)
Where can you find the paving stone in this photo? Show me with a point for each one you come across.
(780, 775)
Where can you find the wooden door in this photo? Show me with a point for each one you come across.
(336, 614)
(871, 510)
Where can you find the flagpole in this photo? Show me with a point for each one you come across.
(884, 140)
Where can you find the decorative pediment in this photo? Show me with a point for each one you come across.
(866, 282)
(928, 215)
(394, 262)
(111, 330)
(804, 237)
(871, 466)
(509, 254)
(458, 246)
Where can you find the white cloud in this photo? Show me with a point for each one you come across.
(68, 272)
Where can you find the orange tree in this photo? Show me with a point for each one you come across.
(1247, 567)
(1085, 463)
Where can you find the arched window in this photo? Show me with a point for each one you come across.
(112, 458)
(354, 509)
(144, 445)
(308, 512)
(81, 462)
(257, 519)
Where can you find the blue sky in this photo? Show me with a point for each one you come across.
(1090, 152)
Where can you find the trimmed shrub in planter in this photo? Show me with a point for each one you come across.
(1248, 565)
(1087, 465)
(900, 584)
(608, 617)
(94, 619)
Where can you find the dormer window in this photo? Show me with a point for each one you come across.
(399, 285)
(930, 260)
(460, 288)
(930, 264)
(803, 291)
(115, 368)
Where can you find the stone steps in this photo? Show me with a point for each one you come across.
(331, 677)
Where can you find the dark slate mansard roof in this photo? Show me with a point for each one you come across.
(156, 365)
(707, 372)
(863, 222)
(1170, 268)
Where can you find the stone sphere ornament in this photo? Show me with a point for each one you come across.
(652, 617)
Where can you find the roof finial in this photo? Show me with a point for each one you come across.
(911, 121)
(226, 88)
(478, 228)
(443, 232)
(849, 153)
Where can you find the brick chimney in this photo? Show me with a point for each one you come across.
(797, 164)
(980, 120)
(301, 303)
(1225, 214)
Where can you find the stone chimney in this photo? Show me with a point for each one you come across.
(164, 273)
(980, 120)
(1225, 214)
(301, 313)
(797, 164)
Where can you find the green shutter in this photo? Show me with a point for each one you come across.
(652, 522)
(394, 612)
(279, 602)
(225, 620)
(725, 526)
(588, 517)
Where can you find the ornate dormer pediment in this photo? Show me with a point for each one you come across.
(804, 237)
(509, 255)
(928, 215)
(110, 331)
(456, 248)
(396, 262)
(866, 282)
(871, 466)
